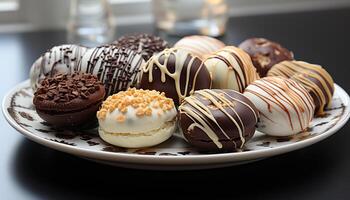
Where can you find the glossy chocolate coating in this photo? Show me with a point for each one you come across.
(218, 120)
(265, 53)
(176, 73)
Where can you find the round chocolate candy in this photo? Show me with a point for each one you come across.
(218, 120)
(285, 106)
(176, 73)
(265, 53)
(314, 78)
(143, 44)
(231, 68)
(116, 67)
(69, 100)
(62, 59)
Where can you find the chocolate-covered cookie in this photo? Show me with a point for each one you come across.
(176, 73)
(265, 53)
(218, 120)
(69, 100)
(144, 44)
(316, 80)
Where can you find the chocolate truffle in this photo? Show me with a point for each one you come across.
(200, 45)
(137, 118)
(69, 100)
(265, 53)
(218, 120)
(61, 59)
(143, 44)
(314, 78)
(231, 68)
(116, 67)
(285, 106)
(176, 73)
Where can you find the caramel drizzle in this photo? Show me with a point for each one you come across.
(302, 72)
(201, 115)
(180, 59)
(281, 92)
(245, 72)
(116, 69)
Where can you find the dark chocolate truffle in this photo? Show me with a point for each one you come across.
(116, 67)
(265, 53)
(69, 100)
(176, 73)
(313, 78)
(144, 44)
(218, 120)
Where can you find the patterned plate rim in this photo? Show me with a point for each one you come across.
(188, 159)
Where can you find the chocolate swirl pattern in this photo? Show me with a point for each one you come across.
(218, 119)
(314, 78)
(176, 73)
(231, 68)
(59, 59)
(285, 106)
(117, 68)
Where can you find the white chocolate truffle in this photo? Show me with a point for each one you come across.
(116, 67)
(231, 68)
(199, 45)
(286, 108)
(62, 59)
(137, 118)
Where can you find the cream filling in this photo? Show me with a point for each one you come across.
(166, 125)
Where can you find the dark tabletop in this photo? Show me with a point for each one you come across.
(321, 171)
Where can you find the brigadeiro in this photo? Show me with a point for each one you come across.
(144, 44)
(176, 73)
(316, 80)
(286, 108)
(265, 53)
(116, 67)
(218, 120)
(69, 100)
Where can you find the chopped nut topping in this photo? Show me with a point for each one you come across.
(120, 118)
(144, 101)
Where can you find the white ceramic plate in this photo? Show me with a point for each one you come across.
(174, 154)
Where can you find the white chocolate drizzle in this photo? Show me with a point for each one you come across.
(180, 58)
(203, 117)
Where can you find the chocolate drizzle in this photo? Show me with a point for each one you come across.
(117, 68)
(314, 78)
(281, 95)
(144, 44)
(61, 59)
(231, 68)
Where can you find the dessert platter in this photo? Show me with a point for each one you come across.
(142, 103)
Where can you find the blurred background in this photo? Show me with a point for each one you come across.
(98, 19)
